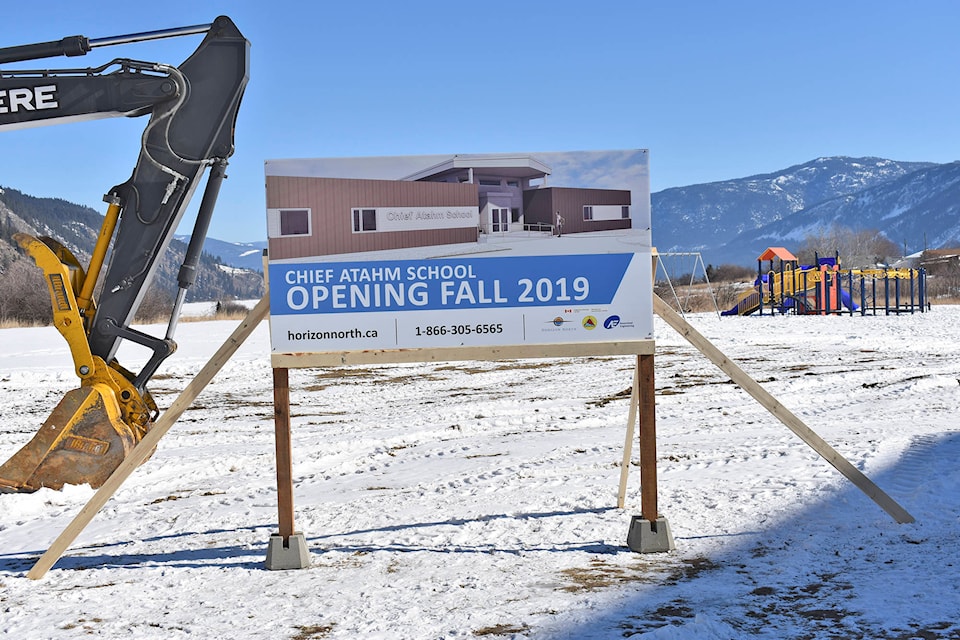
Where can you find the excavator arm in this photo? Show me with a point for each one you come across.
(192, 111)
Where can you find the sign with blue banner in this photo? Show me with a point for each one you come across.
(466, 301)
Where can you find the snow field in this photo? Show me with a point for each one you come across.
(477, 499)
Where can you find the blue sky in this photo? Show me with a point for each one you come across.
(715, 90)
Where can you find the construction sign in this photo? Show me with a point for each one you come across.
(430, 252)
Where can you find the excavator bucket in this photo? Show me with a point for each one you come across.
(94, 427)
(82, 442)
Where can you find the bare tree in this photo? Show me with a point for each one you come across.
(24, 296)
(156, 306)
(731, 273)
(864, 248)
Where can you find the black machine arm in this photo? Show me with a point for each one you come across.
(79, 45)
(193, 110)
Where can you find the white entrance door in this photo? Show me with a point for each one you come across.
(500, 219)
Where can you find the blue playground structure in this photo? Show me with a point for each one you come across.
(824, 288)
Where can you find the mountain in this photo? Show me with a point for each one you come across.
(77, 227)
(734, 220)
(244, 255)
(916, 211)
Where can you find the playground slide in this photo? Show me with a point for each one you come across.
(746, 304)
(845, 301)
(848, 301)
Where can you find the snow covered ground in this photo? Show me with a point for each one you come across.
(478, 499)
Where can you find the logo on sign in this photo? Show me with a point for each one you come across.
(558, 321)
(611, 322)
(590, 323)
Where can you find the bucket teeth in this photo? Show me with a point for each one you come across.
(82, 442)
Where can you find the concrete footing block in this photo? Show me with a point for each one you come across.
(293, 555)
(650, 537)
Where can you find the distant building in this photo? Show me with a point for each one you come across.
(942, 262)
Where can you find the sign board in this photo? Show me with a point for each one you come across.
(451, 302)
(453, 257)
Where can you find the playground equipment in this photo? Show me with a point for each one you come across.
(824, 288)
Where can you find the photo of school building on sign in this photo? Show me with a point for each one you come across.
(334, 206)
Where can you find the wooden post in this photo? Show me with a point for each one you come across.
(628, 439)
(287, 549)
(649, 532)
(281, 416)
(648, 439)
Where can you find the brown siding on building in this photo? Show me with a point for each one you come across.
(538, 206)
(331, 201)
(542, 205)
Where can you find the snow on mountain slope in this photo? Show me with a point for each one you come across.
(707, 216)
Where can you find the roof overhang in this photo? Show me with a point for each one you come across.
(519, 166)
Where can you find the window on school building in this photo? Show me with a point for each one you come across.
(294, 222)
(364, 220)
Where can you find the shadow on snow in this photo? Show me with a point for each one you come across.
(839, 568)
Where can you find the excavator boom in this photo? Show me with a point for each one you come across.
(192, 111)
